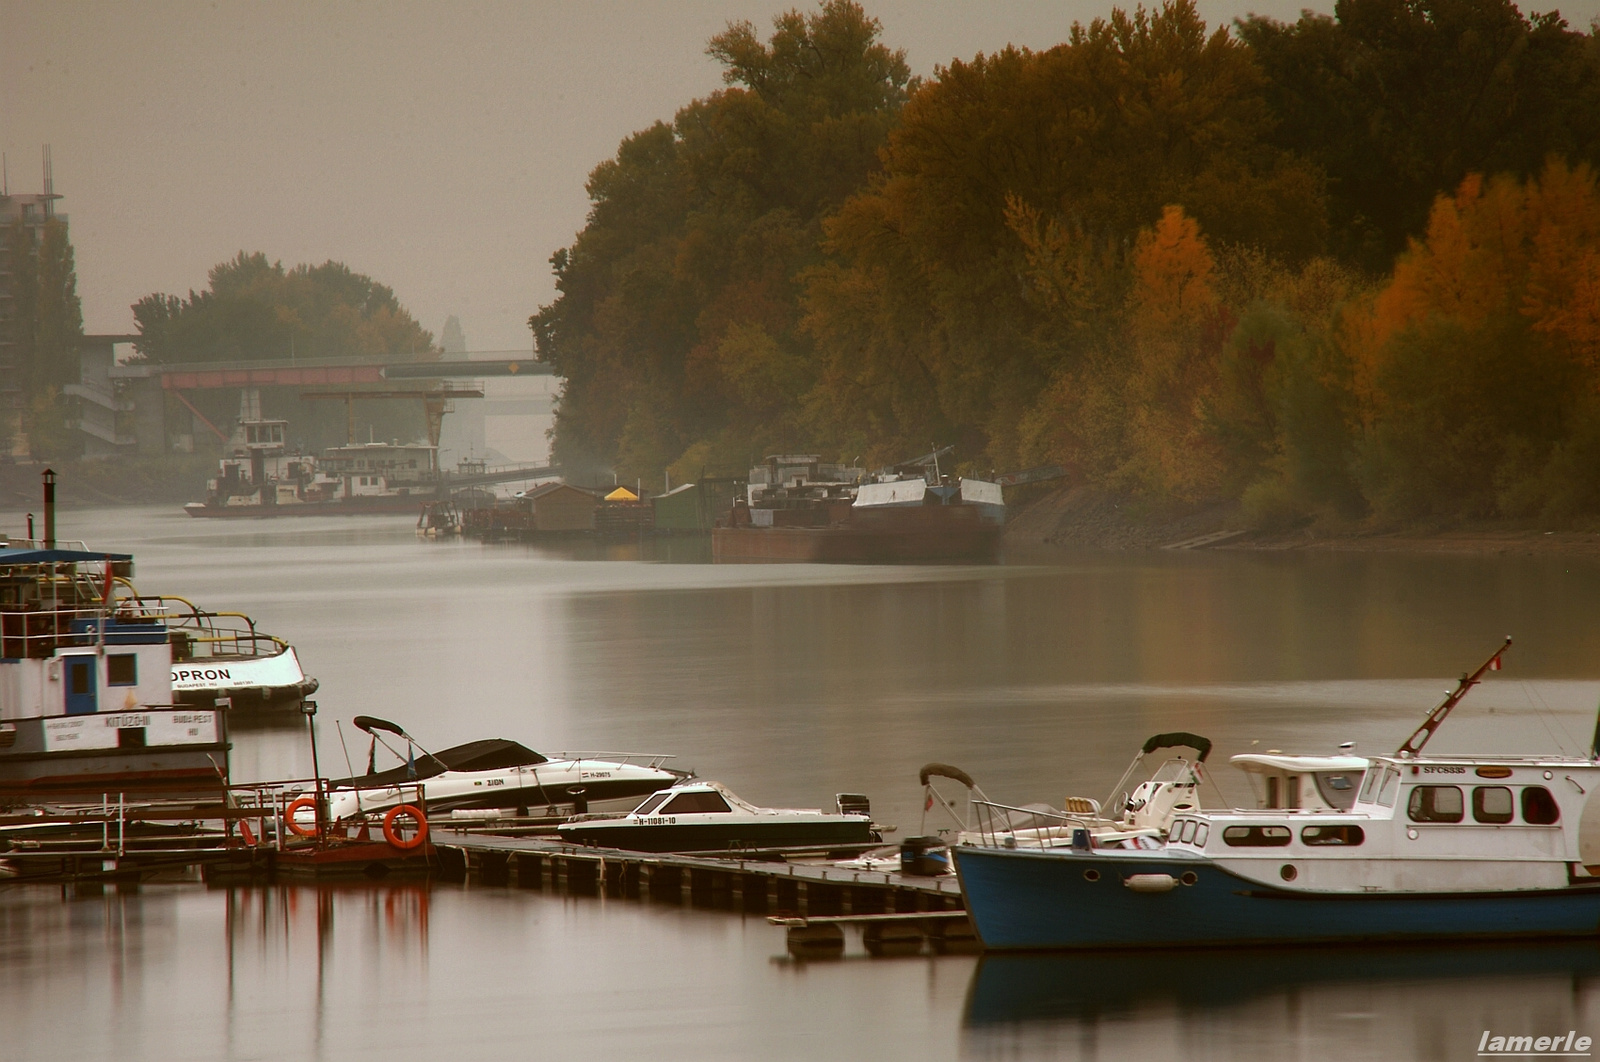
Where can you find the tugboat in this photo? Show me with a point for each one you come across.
(1431, 847)
(86, 700)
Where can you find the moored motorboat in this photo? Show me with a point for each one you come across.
(1431, 847)
(700, 816)
(492, 773)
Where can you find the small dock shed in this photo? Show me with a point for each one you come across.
(560, 507)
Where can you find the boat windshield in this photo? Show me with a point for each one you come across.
(696, 804)
(652, 802)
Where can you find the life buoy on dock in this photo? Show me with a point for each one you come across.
(293, 809)
(392, 835)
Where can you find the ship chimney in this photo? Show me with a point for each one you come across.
(49, 477)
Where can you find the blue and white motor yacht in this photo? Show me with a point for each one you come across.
(1430, 847)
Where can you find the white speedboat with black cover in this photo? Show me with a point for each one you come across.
(493, 773)
(701, 816)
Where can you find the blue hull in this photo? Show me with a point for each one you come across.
(1022, 900)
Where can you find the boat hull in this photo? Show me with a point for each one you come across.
(1026, 900)
(709, 837)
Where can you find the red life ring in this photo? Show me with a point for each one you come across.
(289, 816)
(391, 835)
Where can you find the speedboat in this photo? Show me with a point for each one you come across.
(1455, 847)
(489, 774)
(701, 816)
(1128, 818)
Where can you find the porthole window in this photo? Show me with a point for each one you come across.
(1539, 807)
(1491, 804)
(1188, 830)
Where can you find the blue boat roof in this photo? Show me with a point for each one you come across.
(55, 556)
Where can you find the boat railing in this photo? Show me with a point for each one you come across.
(1002, 825)
(193, 628)
(633, 759)
(287, 809)
(27, 631)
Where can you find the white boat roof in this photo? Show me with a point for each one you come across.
(1261, 762)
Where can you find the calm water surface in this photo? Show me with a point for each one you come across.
(1039, 676)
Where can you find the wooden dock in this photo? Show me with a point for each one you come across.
(897, 913)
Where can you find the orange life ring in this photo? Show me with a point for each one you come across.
(394, 838)
(289, 813)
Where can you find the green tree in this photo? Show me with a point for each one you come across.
(697, 237)
(47, 321)
(256, 310)
(1398, 100)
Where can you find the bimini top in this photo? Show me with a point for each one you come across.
(21, 555)
(489, 754)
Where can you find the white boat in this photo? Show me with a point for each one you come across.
(699, 816)
(220, 657)
(493, 773)
(1451, 847)
(86, 701)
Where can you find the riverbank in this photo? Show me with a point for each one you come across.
(82, 483)
(1080, 519)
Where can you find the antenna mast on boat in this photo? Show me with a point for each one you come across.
(1414, 743)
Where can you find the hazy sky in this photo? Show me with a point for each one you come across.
(440, 148)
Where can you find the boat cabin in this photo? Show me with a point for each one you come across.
(1327, 783)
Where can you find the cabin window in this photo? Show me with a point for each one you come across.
(1256, 836)
(696, 804)
(1202, 834)
(1337, 788)
(651, 803)
(1390, 787)
(1341, 834)
(1436, 803)
(1539, 807)
(1491, 803)
(1188, 830)
(122, 669)
(1370, 785)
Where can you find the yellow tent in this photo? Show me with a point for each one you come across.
(622, 494)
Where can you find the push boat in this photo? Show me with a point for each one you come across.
(491, 774)
(86, 698)
(699, 816)
(1440, 847)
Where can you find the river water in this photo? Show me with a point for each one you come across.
(1040, 676)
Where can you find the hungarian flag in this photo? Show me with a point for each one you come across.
(1494, 665)
(110, 589)
(929, 804)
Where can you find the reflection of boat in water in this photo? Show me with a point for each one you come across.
(493, 773)
(708, 817)
(1019, 988)
(1451, 847)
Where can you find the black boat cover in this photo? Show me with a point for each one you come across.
(488, 754)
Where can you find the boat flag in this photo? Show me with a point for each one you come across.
(929, 805)
(1494, 665)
